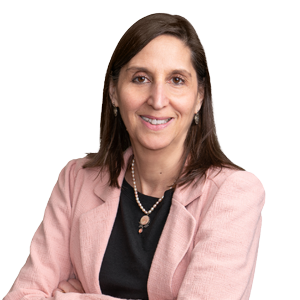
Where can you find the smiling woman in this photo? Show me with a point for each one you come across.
(158, 94)
(159, 212)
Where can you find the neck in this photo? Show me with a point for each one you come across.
(155, 171)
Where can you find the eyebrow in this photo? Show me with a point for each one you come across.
(181, 71)
(142, 69)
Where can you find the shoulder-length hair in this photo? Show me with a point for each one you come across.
(202, 149)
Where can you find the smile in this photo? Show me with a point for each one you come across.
(155, 121)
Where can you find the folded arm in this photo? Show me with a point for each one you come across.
(223, 260)
(49, 262)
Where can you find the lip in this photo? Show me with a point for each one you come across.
(158, 126)
(157, 118)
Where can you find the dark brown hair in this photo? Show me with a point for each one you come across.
(202, 149)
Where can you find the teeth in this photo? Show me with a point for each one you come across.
(156, 122)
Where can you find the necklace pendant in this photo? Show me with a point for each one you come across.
(144, 222)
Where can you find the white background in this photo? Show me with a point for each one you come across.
(53, 58)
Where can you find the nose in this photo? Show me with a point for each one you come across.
(158, 97)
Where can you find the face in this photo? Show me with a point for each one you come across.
(157, 94)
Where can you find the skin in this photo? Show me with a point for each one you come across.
(70, 286)
(159, 82)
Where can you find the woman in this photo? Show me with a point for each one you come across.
(159, 212)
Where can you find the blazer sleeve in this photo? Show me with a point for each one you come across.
(49, 261)
(223, 260)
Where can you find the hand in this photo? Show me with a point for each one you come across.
(70, 286)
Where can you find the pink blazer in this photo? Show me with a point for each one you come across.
(207, 249)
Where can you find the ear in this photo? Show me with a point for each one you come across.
(113, 94)
(200, 98)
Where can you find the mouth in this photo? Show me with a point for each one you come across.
(156, 121)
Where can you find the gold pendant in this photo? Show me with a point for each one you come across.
(144, 222)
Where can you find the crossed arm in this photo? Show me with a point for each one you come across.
(70, 286)
(242, 221)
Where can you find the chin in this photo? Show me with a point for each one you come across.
(168, 142)
(156, 145)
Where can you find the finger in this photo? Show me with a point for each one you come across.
(76, 284)
(57, 291)
(66, 287)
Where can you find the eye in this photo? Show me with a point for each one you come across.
(177, 80)
(140, 79)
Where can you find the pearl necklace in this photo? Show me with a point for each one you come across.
(145, 220)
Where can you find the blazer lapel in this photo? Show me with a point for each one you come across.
(174, 243)
(95, 228)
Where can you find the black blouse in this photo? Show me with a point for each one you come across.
(128, 256)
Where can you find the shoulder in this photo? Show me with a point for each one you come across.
(225, 175)
(75, 171)
(76, 166)
(235, 187)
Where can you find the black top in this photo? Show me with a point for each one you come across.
(128, 256)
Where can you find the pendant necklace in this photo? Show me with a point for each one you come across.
(145, 220)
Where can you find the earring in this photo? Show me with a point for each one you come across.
(196, 118)
(115, 109)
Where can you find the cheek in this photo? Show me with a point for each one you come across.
(187, 105)
(129, 99)
(132, 106)
(128, 107)
(125, 105)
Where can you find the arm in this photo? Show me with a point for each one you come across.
(223, 260)
(49, 261)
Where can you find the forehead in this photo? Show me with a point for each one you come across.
(164, 52)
